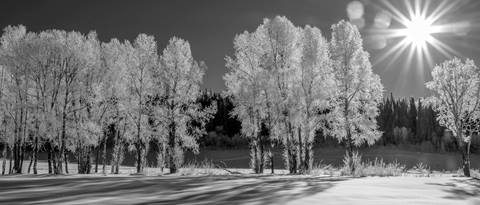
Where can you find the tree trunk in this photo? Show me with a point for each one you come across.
(271, 161)
(118, 150)
(300, 151)
(139, 157)
(30, 164)
(171, 144)
(79, 161)
(114, 153)
(10, 168)
(255, 163)
(54, 162)
(349, 142)
(65, 157)
(145, 150)
(96, 158)
(24, 144)
(119, 158)
(308, 156)
(35, 155)
(139, 145)
(104, 154)
(89, 160)
(22, 154)
(115, 156)
(161, 156)
(49, 160)
(466, 158)
(83, 158)
(4, 154)
(16, 148)
(350, 152)
(262, 155)
(63, 132)
(291, 149)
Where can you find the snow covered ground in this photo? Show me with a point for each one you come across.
(237, 189)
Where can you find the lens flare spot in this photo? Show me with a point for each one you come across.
(355, 10)
(382, 20)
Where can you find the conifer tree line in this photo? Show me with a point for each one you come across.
(65, 92)
(403, 121)
(411, 121)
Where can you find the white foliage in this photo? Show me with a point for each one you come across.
(456, 87)
(359, 89)
(177, 81)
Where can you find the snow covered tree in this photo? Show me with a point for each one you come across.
(177, 84)
(279, 78)
(113, 93)
(316, 87)
(87, 109)
(142, 57)
(456, 88)
(283, 56)
(355, 107)
(245, 81)
(47, 79)
(78, 58)
(6, 136)
(15, 43)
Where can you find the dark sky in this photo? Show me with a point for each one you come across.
(210, 26)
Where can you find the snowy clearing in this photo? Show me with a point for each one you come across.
(237, 189)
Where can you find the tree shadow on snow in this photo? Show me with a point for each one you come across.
(462, 188)
(161, 190)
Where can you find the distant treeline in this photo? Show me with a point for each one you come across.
(405, 122)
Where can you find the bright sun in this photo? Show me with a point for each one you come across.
(418, 30)
(418, 34)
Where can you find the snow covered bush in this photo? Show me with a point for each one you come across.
(380, 168)
(422, 169)
(370, 168)
(205, 167)
(349, 160)
(323, 169)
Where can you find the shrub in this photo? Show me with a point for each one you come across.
(421, 169)
(357, 162)
(475, 173)
(205, 167)
(380, 168)
(371, 168)
(323, 169)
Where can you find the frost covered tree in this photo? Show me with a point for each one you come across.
(177, 85)
(245, 81)
(283, 55)
(87, 109)
(78, 59)
(49, 74)
(142, 56)
(315, 86)
(6, 136)
(113, 93)
(47, 80)
(359, 90)
(279, 77)
(14, 57)
(456, 88)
